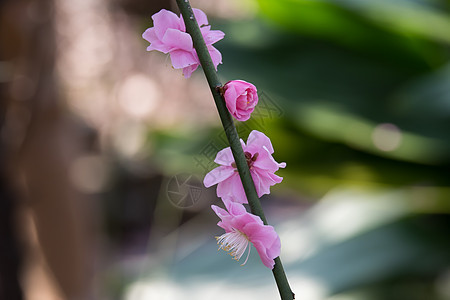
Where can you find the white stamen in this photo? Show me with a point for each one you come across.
(234, 242)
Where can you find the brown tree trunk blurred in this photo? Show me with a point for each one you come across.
(9, 250)
(39, 142)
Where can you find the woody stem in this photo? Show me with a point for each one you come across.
(230, 130)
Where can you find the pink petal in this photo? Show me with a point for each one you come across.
(241, 117)
(224, 187)
(181, 59)
(241, 101)
(237, 189)
(216, 56)
(231, 198)
(265, 240)
(205, 30)
(158, 46)
(260, 184)
(187, 71)
(230, 96)
(241, 86)
(240, 222)
(200, 16)
(244, 108)
(264, 180)
(253, 95)
(224, 157)
(226, 219)
(258, 139)
(275, 249)
(225, 226)
(150, 35)
(175, 39)
(211, 36)
(265, 259)
(164, 20)
(266, 161)
(155, 44)
(264, 233)
(218, 175)
(275, 178)
(226, 199)
(220, 212)
(235, 208)
(232, 189)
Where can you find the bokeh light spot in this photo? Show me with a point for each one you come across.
(387, 137)
(138, 95)
(90, 173)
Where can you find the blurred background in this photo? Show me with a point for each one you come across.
(104, 147)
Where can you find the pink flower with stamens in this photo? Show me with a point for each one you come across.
(243, 229)
(168, 35)
(262, 165)
(241, 98)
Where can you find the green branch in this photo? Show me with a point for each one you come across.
(231, 133)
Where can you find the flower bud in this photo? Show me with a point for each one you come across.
(241, 98)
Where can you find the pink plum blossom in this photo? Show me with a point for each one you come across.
(241, 98)
(262, 165)
(168, 35)
(243, 229)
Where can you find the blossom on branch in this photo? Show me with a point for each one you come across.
(243, 229)
(241, 98)
(262, 166)
(168, 35)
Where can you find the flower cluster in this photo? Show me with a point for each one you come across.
(242, 229)
(240, 226)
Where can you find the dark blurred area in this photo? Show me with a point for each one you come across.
(103, 147)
